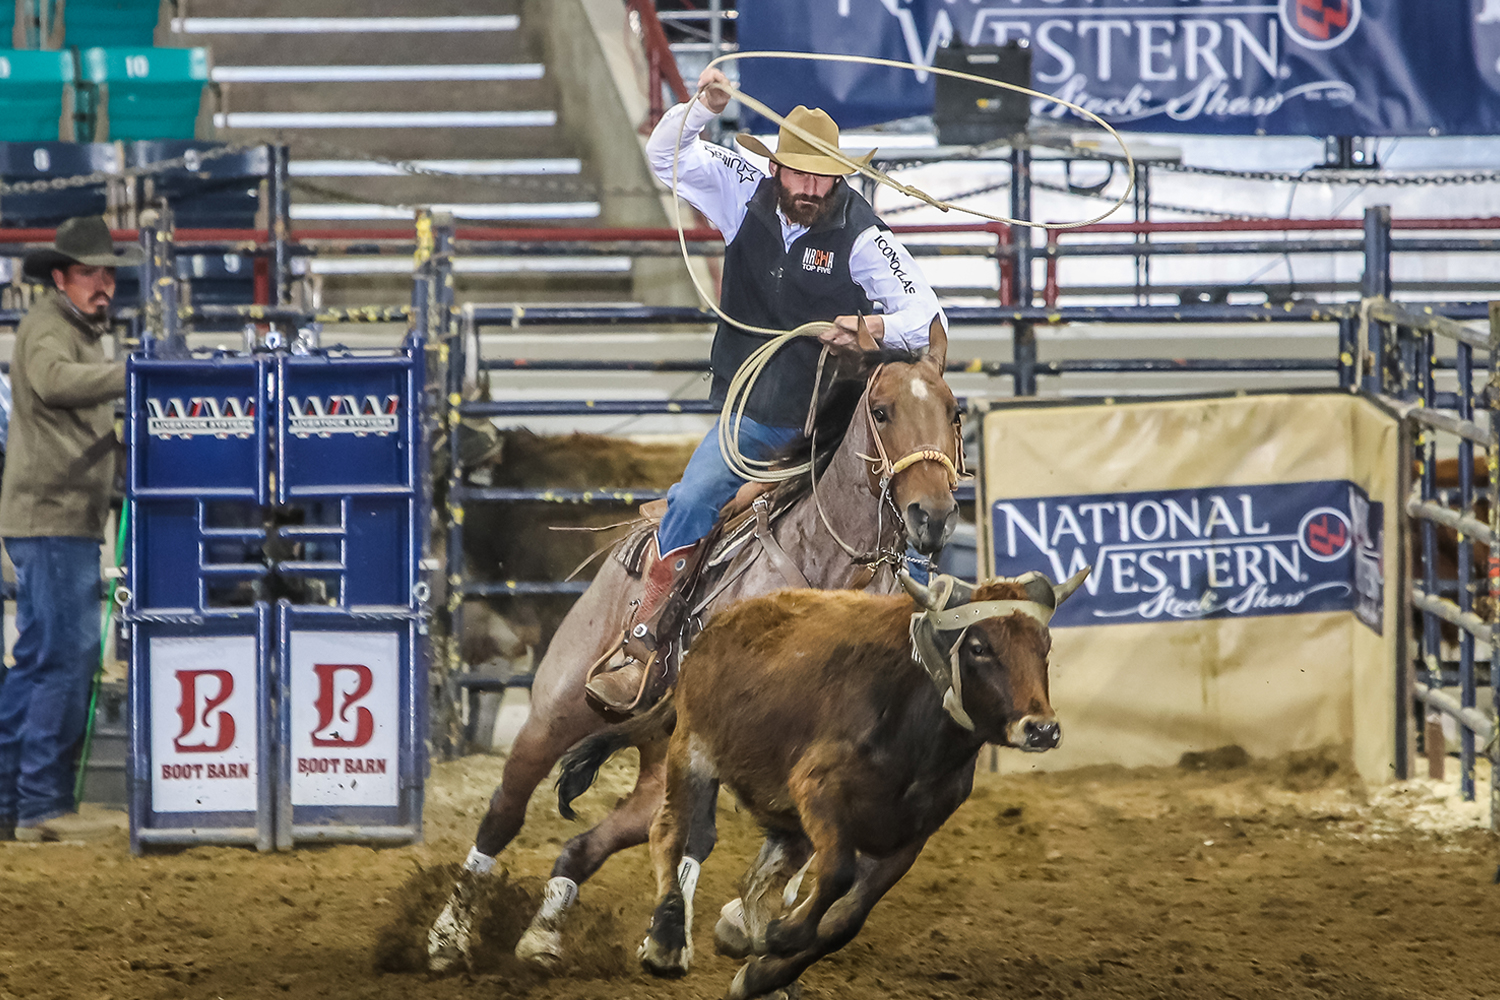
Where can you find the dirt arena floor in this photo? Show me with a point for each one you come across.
(1224, 880)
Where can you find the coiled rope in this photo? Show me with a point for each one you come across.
(744, 379)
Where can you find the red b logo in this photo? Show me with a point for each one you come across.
(333, 725)
(195, 708)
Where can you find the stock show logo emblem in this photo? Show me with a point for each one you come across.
(326, 416)
(1320, 24)
(200, 416)
(1286, 548)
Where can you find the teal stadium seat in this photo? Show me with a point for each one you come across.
(153, 93)
(31, 94)
(7, 24)
(113, 23)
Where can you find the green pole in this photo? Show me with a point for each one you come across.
(108, 615)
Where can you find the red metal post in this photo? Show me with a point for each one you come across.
(1007, 265)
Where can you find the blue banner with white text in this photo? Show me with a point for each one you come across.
(1163, 555)
(1232, 67)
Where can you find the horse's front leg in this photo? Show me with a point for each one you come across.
(767, 974)
(627, 825)
(539, 745)
(741, 929)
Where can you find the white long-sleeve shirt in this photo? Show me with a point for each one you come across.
(719, 184)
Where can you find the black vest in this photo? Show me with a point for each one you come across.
(769, 286)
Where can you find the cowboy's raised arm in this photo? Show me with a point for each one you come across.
(886, 270)
(712, 179)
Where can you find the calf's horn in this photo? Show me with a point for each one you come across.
(919, 592)
(1065, 590)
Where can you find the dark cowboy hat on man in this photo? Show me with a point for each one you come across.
(797, 153)
(84, 240)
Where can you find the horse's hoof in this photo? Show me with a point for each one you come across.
(661, 961)
(730, 937)
(448, 938)
(739, 988)
(541, 947)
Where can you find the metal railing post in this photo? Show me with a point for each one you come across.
(1376, 283)
(147, 322)
(1023, 344)
(1492, 570)
(280, 192)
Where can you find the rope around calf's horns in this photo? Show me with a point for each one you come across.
(744, 379)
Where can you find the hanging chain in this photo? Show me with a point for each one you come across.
(188, 161)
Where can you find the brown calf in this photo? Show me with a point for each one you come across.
(813, 708)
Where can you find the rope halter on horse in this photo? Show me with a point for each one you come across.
(888, 470)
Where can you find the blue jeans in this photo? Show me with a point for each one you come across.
(708, 484)
(44, 699)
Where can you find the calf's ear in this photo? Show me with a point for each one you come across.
(1065, 590)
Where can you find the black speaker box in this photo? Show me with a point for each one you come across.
(968, 113)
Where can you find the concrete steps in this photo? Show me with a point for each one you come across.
(350, 91)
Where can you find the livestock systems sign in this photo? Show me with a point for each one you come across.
(1237, 67)
(204, 728)
(1189, 554)
(346, 704)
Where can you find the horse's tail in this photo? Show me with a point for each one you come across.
(580, 765)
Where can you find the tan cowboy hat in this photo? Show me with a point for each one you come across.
(84, 240)
(797, 153)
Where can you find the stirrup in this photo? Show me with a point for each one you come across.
(616, 658)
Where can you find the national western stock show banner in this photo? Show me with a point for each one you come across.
(1235, 67)
(1245, 585)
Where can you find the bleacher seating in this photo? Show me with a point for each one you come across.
(122, 23)
(218, 279)
(31, 93)
(36, 161)
(153, 93)
(221, 193)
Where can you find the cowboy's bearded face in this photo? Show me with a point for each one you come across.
(89, 288)
(803, 198)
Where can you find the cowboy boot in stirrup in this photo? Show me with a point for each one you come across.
(620, 688)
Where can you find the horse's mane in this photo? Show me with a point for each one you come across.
(838, 403)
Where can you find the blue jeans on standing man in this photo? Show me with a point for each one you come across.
(708, 484)
(44, 697)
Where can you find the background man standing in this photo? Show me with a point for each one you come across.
(59, 471)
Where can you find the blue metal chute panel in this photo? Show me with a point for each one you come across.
(352, 743)
(197, 477)
(346, 426)
(203, 763)
(167, 535)
(378, 553)
(198, 428)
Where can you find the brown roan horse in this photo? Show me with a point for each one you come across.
(878, 493)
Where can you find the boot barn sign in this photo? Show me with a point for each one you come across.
(1233, 67)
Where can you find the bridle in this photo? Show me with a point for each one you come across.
(887, 470)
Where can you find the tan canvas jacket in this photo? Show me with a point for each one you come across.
(61, 451)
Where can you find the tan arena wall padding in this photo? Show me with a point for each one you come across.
(1143, 694)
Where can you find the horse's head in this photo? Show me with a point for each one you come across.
(918, 445)
(992, 641)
